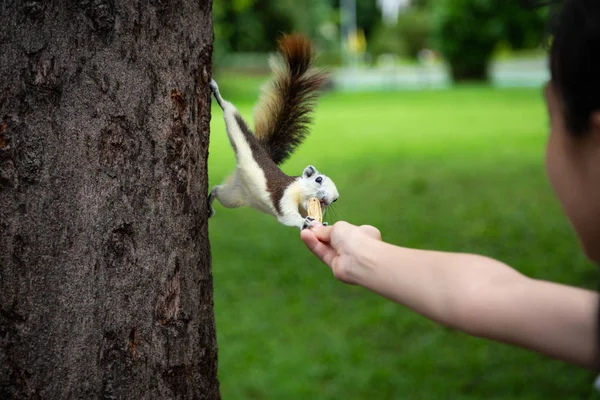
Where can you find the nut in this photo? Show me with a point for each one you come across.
(313, 209)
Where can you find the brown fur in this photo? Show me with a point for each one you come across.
(282, 115)
(277, 180)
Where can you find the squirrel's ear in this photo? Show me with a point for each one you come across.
(309, 171)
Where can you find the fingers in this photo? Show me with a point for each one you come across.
(323, 233)
(322, 250)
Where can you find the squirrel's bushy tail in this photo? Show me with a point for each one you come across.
(282, 115)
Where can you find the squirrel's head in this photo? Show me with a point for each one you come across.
(315, 184)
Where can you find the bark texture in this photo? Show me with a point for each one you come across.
(105, 268)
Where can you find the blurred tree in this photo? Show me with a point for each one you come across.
(414, 27)
(466, 32)
(421, 4)
(410, 34)
(386, 40)
(255, 25)
(368, 16)
(250, 25)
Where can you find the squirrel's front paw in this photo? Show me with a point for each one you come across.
(308, 222)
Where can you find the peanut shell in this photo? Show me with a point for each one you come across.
(314, 209)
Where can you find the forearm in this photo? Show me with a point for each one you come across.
(553, 319)
(434, 284)
(485, 298)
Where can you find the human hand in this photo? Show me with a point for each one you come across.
(340, 246)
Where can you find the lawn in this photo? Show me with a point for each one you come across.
(459, 170)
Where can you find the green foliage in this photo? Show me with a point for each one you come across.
(467, 32)
(387, 39)
(421, 4)
(368, 15)
(250, 25)
(414, 26)
(254, 25)
(526, 30)
(411, 34)
(457, 170)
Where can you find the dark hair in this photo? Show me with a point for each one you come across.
(575, 60)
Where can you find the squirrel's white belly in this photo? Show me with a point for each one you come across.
(254, 183)
(262, 206)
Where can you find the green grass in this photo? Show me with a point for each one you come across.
(459, 170)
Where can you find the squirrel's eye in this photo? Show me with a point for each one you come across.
(319, 180)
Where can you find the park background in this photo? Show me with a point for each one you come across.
(434, 129)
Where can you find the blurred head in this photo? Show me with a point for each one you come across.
(573, 103)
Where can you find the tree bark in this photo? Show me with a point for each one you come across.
(105, 267)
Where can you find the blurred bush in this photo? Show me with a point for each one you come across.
(411, 34)
(466, 32)
(253, 26)
(387, 40)
(414, 26)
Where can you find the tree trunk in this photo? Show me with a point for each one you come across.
(105, 268)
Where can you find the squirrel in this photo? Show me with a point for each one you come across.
(281, 116)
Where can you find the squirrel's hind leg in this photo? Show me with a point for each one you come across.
(230, 194)
(215, 90)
